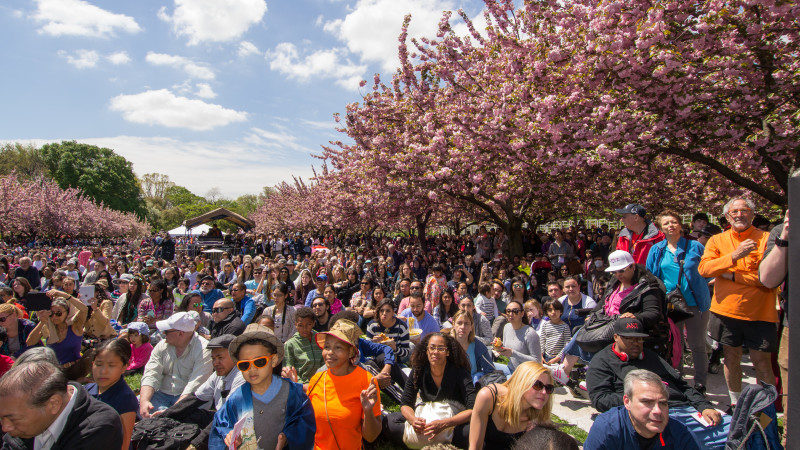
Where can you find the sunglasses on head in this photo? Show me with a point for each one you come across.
(548, 388)
(259, 362)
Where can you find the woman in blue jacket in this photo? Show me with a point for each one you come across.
(480, 360)
(664, 262)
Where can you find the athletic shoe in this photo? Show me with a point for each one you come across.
(558, 374)
(578, 390)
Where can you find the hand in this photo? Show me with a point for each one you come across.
(158, 413)
(713, 416)
(391, 344)
(144, 409)
(434, 427)
(554, 360)
(504, 351)
(627, 315)
(419, 425)
(43, 315)
(281, 442)
(369, 397)
(93, 302)
(229, 437)
(52, 293)
(290, 373)
(383, 379)
(744, 249)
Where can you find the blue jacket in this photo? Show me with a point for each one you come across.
(369, 349)
(694, 251)
(210, 298)
(247, 308)
(613, 430)
(299, 425)
(483, 358)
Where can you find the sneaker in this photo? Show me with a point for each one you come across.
(558, 374)
(578, 390)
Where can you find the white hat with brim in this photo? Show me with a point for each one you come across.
(181, 321)
(618, 260)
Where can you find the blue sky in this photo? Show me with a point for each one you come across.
(232, 94)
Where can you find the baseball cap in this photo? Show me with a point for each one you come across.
(628, 327)
(633, 208)
(181, 321)
(139, 327)
(149, 263)
(125, 277)
(618, 260)
(322, 276)
(223, 341)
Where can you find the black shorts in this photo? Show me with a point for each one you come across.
(753, 334)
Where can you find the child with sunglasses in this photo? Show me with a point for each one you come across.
(502, 413)
(264, 400)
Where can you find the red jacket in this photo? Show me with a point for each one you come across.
(641, 247)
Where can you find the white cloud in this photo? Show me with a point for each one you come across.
(119, 58)
(213, 20)
(204, 91)
(247, 48)
(82, 59)
(252, 166)
(331, 63)
(372, 28)
(162, 107)
(275, 140)
(191, 68)
(80, 18)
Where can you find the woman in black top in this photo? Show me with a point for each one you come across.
(436, 359)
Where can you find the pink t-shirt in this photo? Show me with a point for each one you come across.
(615, 300)
(140, 355)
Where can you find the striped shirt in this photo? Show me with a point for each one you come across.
(398, 332)
(554, 337)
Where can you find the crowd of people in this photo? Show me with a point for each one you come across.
(467, 338)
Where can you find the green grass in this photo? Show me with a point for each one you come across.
(135, 382)
(571, 430)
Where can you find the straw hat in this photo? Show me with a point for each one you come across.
(344, 330)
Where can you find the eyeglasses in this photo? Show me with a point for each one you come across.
(548, 388)
(739, 212)
(153, 290)
(415, 288)
(57, 313)
(221, 309)
(514, 311)
(259, 362)
(437, 348)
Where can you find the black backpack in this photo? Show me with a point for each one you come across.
(163, 433)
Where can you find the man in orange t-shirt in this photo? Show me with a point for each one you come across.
(745, 307)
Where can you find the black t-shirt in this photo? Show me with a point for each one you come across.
(645, 443)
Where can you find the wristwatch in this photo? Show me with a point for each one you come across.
(780, 242)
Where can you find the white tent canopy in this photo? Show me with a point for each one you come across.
(181, 230)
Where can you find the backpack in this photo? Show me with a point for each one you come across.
(163, 433)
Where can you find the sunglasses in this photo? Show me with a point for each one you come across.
(57, 313)
(514, 311)
(221, 309)
(3, 319)
(196, 305)
(518, 286)
(548, 388)
(259, 362)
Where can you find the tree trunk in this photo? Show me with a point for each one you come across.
(422, 225)
(514, 232)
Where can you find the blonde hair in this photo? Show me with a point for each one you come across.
(8, 308)
(466, 316)
(520, 382)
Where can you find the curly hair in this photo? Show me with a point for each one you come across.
(419, 359)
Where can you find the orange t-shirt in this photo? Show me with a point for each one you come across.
(344, 408)
(744, 298)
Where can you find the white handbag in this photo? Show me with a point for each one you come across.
(431, 411)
